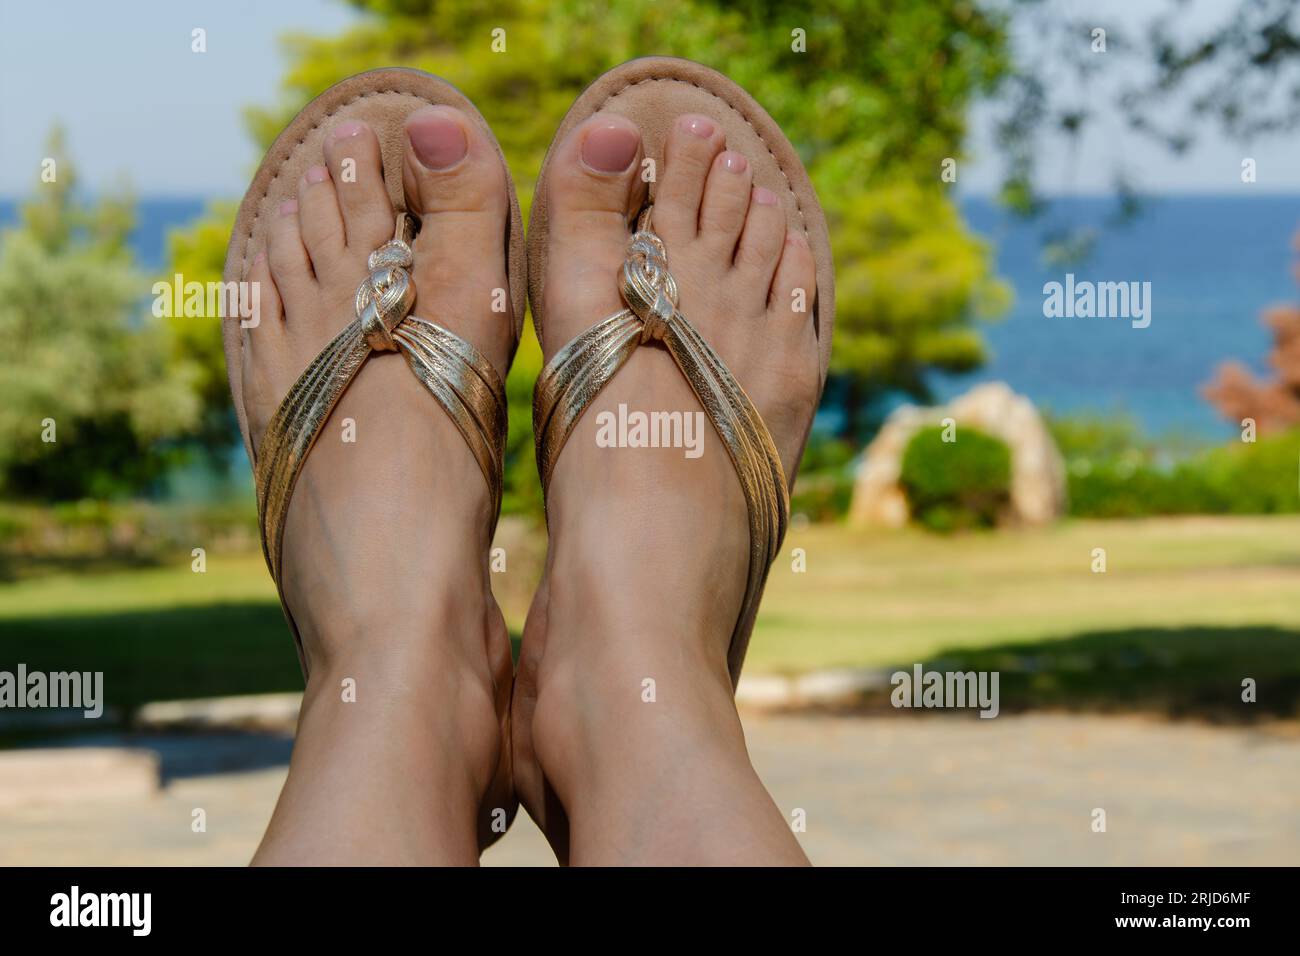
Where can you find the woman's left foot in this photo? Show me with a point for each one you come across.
(649, 547)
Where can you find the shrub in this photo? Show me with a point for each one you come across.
(1255, 478)
(958, 484)
(824, 487)
(1108, 480)
(77, 534)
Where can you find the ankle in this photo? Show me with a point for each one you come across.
(417, 629)
(613, 705)
(674, 579)
(445, 700)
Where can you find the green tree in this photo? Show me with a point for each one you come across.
(199, 252)
(79, 365)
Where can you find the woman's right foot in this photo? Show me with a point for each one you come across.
(625, 732)
(386, 540)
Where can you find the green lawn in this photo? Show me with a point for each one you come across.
(1186, 609)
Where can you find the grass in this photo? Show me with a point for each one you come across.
(157, 633)
(1186, 608)
(870, 599)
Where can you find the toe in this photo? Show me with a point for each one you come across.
(451, 167)
(761, 239)
(794, 287)
(289, 263)
(263, 352)
(455, 182)
(594, 181)
(318, 213)
(263, 296)
(357, 169)
(593, 188)
(692, 144)
(726, 200)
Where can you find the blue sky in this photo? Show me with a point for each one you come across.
(139, 106)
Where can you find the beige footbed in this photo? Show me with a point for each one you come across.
(383, 99)
(652, 92)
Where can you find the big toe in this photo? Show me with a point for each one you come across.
(593, 187)
(455, 182)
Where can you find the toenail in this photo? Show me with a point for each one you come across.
(438, 140)
(797, 239)
(347, 128)
(610, 148)
(764, 197)
(317, 174)
(257, 259)
(698, 125)
(288, 207)
(732, 162)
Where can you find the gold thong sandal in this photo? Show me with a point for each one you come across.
(652, 92)
(456, 374)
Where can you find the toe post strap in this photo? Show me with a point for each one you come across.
(457, 375)
(577, 373)
(387, 295)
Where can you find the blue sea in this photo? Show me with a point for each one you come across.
(1214, 262)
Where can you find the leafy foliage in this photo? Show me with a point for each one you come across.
(1115, 471)
(959, 484)
(78, 354)
(1272, 405)
(875, 104)
(824, 488)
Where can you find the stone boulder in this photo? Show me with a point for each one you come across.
(1037, 471)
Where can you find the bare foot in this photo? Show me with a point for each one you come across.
(648, 548)
(386, 540)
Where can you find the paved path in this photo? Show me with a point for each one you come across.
(891, 790)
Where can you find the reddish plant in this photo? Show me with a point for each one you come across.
(1274, 404)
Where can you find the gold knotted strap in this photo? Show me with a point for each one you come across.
(577, 373)
(458, 376)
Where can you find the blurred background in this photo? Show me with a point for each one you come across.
(1114, 532)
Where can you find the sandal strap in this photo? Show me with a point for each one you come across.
(574, 377)
(457, 375)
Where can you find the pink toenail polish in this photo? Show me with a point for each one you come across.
(764, 197)
(438, 140)
(732, 162)
(317, 174)
(610, 148)
(347, 128)
(697, 125)
(797, 239)
(288, 207)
